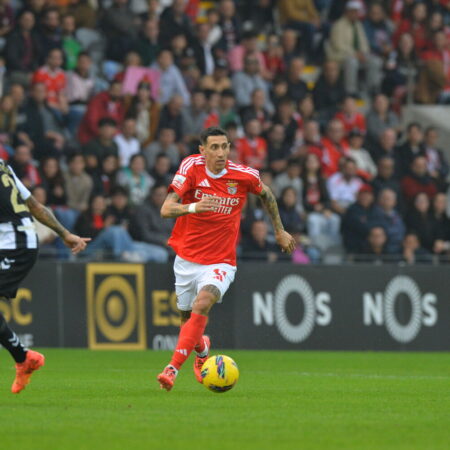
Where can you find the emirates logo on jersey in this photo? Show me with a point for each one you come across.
(225, 203)
(232, 187)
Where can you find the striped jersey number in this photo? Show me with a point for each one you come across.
(18, 207)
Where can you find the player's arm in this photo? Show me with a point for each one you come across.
(45, 216)
(171, 207)
(284, 239)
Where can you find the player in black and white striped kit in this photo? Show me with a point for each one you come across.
(18, 252)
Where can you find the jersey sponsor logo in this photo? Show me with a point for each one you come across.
(219, 274)
(225, 203)
(5, 264)
(178, 181)
(205, 183)
(232, 187)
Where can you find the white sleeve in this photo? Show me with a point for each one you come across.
(24, 192)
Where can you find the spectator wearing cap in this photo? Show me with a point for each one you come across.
(106, 104)
(118, 25)
(385, 178)
(53, 77)
(348, 45)
(386, 216)
(147, 44)
(343, 186)
(329, 90)
(23, 50)
(219, 81)
(103, 144)
(419, 180)
(356, 220)
(380, 118)
(171, 81)
(366, 167)
(350, 117)
(252, 148)
(127, 142)
(303, 16)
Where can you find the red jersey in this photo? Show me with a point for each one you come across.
(211, 238)
(55, 82)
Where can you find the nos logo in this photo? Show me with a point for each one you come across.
(271, 308)
(380, 309)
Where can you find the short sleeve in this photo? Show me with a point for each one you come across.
(182, 181)
(24, 192)
(256, 185)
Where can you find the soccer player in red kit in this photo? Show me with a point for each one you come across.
(212, 191)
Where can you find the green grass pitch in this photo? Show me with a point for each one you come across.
(284, 400)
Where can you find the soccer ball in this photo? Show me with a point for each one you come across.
(220, 373)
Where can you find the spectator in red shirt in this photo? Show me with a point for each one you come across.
(105, 104)
(418, 181)
(252, 149)
(350, 117)
(333, 148)
(53, 77)
(415, 25)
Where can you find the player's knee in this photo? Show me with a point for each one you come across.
(206, 299)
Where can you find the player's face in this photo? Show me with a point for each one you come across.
(216, 151)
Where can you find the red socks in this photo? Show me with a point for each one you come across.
(200, 347)
(190, 335)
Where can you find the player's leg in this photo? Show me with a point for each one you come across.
(20, 263)
(190, 334)
(202, 346)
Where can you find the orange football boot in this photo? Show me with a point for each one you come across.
(33, 361)
(167, 378)
(198, 362)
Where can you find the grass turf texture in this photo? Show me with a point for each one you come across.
(284, 400)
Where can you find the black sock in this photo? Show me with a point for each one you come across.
(11, 342)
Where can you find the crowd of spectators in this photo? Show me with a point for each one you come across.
(102, 99)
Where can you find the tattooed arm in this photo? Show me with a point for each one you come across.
(284, 239)
(45, 215)
(171, 207)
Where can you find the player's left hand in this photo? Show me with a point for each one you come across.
(285, 241)
(76, 243)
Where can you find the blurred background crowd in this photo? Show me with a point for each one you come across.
(102, 99)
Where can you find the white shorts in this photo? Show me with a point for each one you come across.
(191, 277)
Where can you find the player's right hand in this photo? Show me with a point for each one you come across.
(76, 243)
(207, 204)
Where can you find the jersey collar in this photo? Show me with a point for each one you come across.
(216, 175)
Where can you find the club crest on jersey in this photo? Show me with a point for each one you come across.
(232, 187)
(178, 181)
